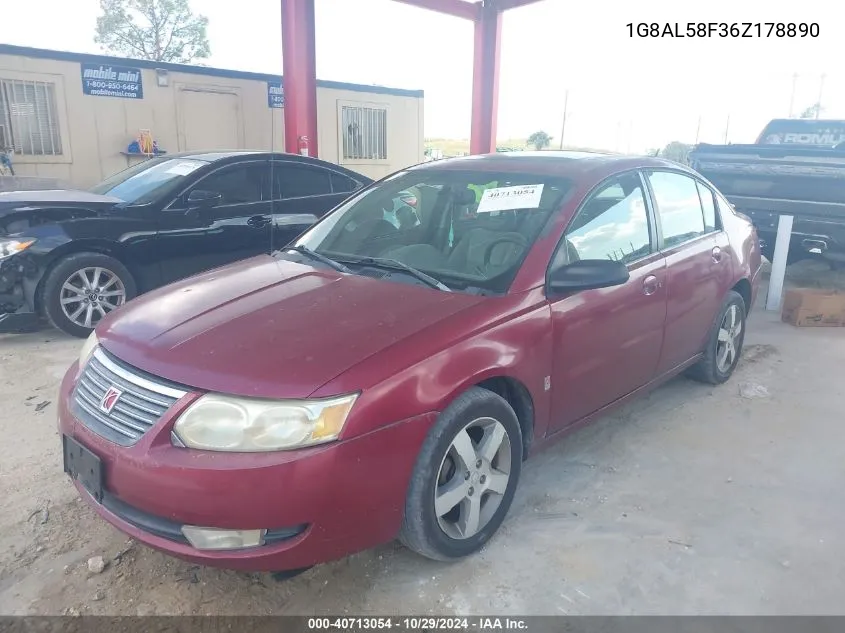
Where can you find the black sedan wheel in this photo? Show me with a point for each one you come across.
(82, 289)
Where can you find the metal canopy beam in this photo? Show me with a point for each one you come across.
(300, 76)
(300, 69)
(457, 8)
(504, 5)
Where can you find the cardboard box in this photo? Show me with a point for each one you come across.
(806, 307)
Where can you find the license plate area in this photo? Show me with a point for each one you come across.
(83, 466)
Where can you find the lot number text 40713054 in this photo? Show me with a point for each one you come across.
(723, 29)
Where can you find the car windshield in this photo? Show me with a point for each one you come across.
(469, 230)
(146, 181)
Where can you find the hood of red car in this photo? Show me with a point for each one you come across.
(270, 328)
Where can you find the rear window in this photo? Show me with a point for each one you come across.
(803, 132)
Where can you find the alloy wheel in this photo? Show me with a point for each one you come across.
(472, 478)
(91, 293)
(727, 344)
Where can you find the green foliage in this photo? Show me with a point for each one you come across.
(158, 30)
(676, 151)
(540, 140)
(812, 112)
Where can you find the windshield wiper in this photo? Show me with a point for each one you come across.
(328, 261)
(397, 265)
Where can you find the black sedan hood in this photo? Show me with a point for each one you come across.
(53, 197)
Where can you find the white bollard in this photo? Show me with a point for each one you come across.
(778, 275)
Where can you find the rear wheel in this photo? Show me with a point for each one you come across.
(724, 345)
(465, 477)
(83, 288)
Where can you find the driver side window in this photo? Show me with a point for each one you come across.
(238, 184)
(611, 224)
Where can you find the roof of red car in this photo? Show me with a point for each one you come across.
(564, 163)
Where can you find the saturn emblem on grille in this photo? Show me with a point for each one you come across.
(110, 399)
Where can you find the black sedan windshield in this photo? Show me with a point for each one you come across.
(468, 229)
(144, 182)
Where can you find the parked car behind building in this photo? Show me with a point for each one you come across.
(74, 256)
(381, 379)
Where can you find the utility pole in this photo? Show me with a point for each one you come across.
(821, 91)
(727, 127)
(792, 96)
(697, 129)
(563, 125)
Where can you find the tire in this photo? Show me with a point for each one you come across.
(480, 416)
(68, 270)
(710, 369)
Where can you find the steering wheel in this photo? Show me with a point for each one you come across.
(511, 238)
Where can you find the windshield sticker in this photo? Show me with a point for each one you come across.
(183, 168)
(510, 198)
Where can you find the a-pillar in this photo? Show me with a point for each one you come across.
(485, 79)
(300, 76)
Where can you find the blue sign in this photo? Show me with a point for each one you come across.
(105, 80)
(275, 94)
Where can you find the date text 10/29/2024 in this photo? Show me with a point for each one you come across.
(723, 29)
(417, 623)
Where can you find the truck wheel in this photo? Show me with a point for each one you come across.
(465, 477)
(83, 288)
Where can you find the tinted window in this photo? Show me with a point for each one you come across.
(678, 206)
(612, 224)
(342, 184)
(238, 184)
(299, 181)
(708, 207)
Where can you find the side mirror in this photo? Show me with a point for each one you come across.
(586, 274)
(201, 199)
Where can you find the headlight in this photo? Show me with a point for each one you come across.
(87, 350)
(248, 425)
(9, 247)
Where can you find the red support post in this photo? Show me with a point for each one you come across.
(300, 76)
(485, 80)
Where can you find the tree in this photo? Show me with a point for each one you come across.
(540, 140)
(676, 151)
(158, 30)
(812, 112)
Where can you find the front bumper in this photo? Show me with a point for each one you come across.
(17, 322)
(319, 504)
(17, 310)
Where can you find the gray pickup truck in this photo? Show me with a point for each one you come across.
(796, 167)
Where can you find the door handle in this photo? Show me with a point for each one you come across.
(717, 254)
(651, 284)
(258, 221)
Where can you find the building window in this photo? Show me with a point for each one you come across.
(29, 122)
(364, 133)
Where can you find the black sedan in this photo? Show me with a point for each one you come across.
(74, 256)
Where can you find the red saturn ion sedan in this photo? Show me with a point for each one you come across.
(377, 379)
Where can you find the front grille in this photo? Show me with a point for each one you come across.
(142, 403)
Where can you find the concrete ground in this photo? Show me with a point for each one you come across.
(693, 500)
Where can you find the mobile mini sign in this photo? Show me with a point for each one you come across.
(102, 80)
(275, 94)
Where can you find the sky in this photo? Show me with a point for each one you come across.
(627, 94)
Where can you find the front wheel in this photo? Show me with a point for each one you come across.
(724, 345)
(83, 288)
(465, 477)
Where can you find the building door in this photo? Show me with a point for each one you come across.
(209, 119)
